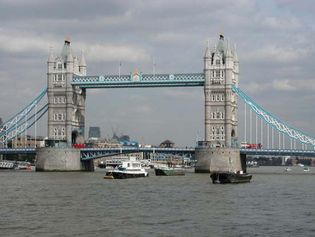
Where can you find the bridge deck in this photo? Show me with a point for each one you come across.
(139, 80)
(94, 153)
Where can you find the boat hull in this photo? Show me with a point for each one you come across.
(169, 172)
(227, 177)
(125, 175)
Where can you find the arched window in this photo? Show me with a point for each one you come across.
(217, 73)
(218, 115)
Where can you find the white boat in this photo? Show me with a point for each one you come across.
(23, 165)
(128, 169)
(306, 169)
(7, 164)
(288, 169)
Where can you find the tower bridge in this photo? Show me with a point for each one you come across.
(67, 82)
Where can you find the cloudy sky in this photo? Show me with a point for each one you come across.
(274, 40)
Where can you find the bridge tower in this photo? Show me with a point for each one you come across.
(66, 103)
(221, 69)
(219, 150)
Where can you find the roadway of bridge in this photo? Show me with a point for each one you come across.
(95, 153)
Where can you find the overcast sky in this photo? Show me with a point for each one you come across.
(274, 40)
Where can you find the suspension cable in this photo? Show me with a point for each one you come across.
(245, 122)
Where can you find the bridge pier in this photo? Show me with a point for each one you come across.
(61, 159)
(219, 159)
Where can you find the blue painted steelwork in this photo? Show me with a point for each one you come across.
(280, 152)
(21, 121)
(139, 80)
(95, 153)
(17, 151)
(274, 121)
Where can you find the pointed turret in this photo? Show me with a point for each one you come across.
(236, 63)
(228, 51)
(235, 54)
(76, 65)
(69, 56)
(51, 61)
(51, 57)
(82, 64)
(221, 46)
(207, 53)
(66, 51)
(82, 60)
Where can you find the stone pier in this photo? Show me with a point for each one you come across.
(218, 159)
(61, 159)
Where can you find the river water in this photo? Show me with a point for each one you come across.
(275, 203)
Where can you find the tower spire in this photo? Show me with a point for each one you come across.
(82, 60)
(51, 57)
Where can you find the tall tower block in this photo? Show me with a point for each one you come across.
(220, 151)
(66, 103)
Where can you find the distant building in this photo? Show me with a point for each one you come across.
(1, 122)
(167, 144)
(28, 142)
(94, 133)
(124, 138)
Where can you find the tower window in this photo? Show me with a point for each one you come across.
(217, 73)
(59, 77)
(218, 115)
(59, 116)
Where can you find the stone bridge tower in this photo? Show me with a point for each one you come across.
(221, 68)
(66, 103)
(220, 150)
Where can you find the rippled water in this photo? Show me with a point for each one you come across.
(84, 204)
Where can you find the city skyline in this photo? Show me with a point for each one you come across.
(274, 42)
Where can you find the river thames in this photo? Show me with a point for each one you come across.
(275, 203)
